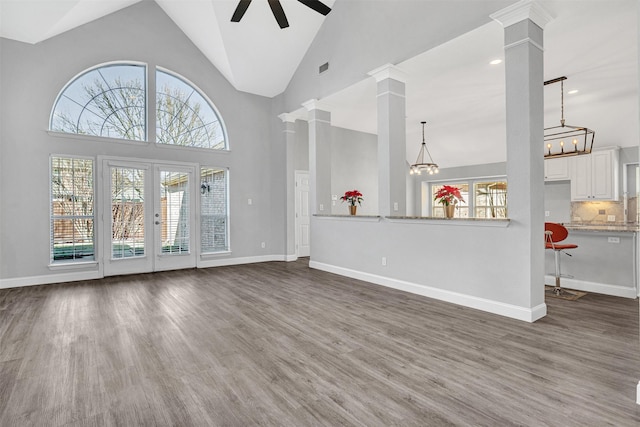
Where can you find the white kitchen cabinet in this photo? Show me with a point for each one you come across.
(595, 176)
(556, 169)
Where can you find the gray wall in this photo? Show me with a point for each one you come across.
(33, 75)
(354, 166)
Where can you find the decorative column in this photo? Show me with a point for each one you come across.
(392, 159)
(523, 25)
(290, 206)
(319, 158)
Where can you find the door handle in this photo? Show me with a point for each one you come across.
(157, 222)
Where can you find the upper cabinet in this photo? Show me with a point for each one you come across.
(595, 176)
(556, 169)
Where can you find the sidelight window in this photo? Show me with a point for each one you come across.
(72, 209)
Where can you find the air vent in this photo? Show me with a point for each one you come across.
(324, 67)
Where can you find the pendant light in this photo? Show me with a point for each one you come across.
(579, 139)
(420, 165)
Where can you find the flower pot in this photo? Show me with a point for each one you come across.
(352, 210)
(449, 210)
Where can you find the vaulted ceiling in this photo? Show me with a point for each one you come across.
(453, 87)
(255, 55)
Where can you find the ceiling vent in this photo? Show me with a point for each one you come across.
(324, 67)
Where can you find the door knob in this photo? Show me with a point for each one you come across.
(157, 222)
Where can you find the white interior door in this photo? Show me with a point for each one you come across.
(149, 217)
(303, 220)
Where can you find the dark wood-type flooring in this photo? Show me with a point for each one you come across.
(281, 344)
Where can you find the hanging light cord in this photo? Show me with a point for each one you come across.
(425, 144)
(562, 103)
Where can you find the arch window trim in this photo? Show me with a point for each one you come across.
(150, 134)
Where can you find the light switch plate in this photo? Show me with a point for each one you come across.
(611, 218)
(613, 240)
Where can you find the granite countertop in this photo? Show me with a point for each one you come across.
(600, 227)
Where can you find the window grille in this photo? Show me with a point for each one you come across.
(108, 101)
(184, 117)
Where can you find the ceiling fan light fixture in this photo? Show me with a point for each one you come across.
(420, 166)
(278, 11)
(580, 138)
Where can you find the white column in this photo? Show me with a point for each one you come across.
(523, 29)
(290, 206)
(392, 159)
(319, 158)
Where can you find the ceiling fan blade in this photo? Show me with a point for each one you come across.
(240, 10)
(278, 13)
(316, 5)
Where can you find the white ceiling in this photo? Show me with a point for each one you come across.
(452, 87)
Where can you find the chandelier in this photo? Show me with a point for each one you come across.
(420, 165)
(580, 139)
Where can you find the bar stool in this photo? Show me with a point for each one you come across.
(554, 233)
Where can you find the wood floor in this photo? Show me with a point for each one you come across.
(281, 344)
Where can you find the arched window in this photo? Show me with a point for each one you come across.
(106, 101)
(111, 100)
(184, 116)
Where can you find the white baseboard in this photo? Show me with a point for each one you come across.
(638, 393)
(221, 262)
(50, 278)
(98, 274)
(599, 288)
(495, 307)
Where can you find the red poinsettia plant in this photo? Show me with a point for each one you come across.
(352, 197)
(448, 195)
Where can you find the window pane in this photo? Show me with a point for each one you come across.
(491, 199)
(127, 212)
(462, 207)
(72, 222)
(184, 117)
(213, 210)
(107, 101)
(174, 198)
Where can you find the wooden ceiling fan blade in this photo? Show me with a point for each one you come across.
(278, 13)
(317, 5)
(240, 10)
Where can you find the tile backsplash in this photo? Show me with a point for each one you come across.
(602, 212)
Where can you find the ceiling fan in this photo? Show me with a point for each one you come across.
(277, 10)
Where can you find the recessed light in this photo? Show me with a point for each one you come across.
(496, 62)
(573, 92)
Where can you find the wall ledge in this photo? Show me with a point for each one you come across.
(366, 218)
(474, 222)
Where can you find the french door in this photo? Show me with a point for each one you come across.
(149, 217)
